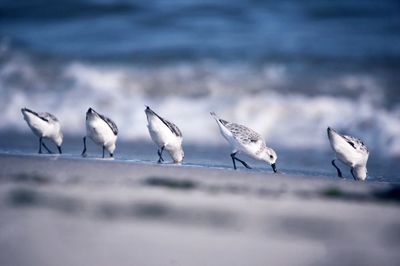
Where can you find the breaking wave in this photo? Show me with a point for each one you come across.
(284, 106)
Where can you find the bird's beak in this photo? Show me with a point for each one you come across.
(274, 167)
(59, 149)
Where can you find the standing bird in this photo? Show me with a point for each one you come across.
(44, 125)
(102, 130)
(166, 135)
(351, 151)
(243, 139)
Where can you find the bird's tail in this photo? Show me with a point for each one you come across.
(26, 110)
(219, 120)
(331, 132)
(213, 114)
(149, 111)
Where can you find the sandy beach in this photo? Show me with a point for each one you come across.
(70, 211)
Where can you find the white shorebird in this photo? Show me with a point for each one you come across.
(44, 125)
(350, 151)
(102, 130)
(166, 135)
(243, 139)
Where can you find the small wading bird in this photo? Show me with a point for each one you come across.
(350, 151)
(243, 139)
(166, 135)
(44, 125)
(102, 130)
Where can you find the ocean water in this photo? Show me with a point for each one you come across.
(288, 69)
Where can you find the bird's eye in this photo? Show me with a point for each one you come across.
(271, 156)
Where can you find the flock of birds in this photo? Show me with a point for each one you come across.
(167, 136)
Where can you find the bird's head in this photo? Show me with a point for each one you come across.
(270, 157)
(177, 155)
(360, 173)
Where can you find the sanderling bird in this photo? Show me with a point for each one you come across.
(350, 151)
(166, 135)
(102, 130)
(44, 125)
(243, 139)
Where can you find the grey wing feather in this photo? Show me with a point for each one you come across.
(110, 123)
(223, 122)
(174, 129)
(47, 117)
(242, 133)
(355, 143)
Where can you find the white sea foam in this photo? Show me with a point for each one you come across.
(186, 93)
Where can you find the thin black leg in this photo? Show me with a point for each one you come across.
(352, 173)
(59, 149)
(159, 152)
(47, 149)
(84, 147)
(103, 150)
(339, 173)
(40, 145)
(233, 155)
(111, 155)
(243, 162)
(233, 160)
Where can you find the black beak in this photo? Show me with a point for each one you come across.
(59, 149)
(274, 167)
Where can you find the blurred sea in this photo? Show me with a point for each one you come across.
(287, 69)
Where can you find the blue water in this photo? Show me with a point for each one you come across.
(250, 31)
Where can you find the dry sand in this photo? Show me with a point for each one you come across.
(59, 210)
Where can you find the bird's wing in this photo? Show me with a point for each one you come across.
(47, 117)
(174, 128)
(44, 116)
(110, 123)
(242, 133)
(356, 143)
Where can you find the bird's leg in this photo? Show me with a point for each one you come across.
(233, 160)
(352, 173)
(244, 163)
(159, 152)
(59, 149)
(111, 155)
(160, 159)
(84, 147)
(47, 149)
(103, 150)
(40, 145)
(233, 155)
(339, 173)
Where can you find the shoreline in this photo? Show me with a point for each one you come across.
(61, 168)
(303, 162)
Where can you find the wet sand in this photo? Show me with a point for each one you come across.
(60, 210)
